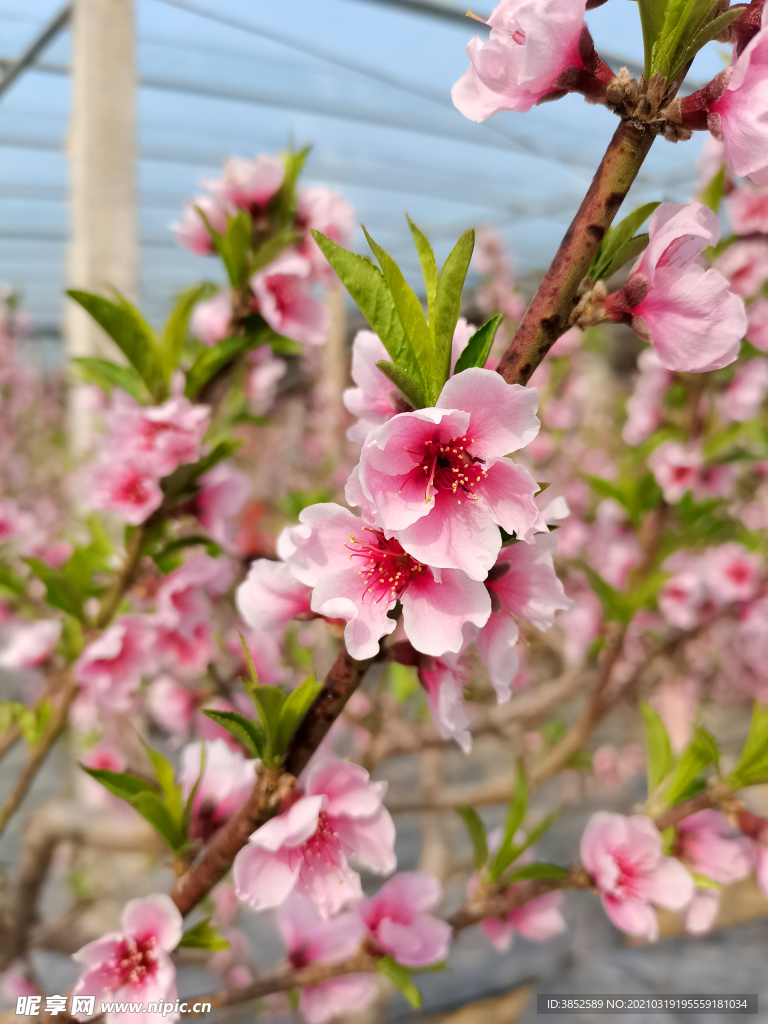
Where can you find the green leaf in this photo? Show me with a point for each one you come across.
(175, 330)
(477, 834)
(119, 783)
(233, 246)
(448, 306)
(60, 591)
(651, 20)
(627, 253)
(537, 832)
(711, 30)
(130, 332)
(616, 241)
(644, 595)
(408, 386)
(269, 701)
(368, 287)
(705, 882)
(10, 582)
(107, 375)
(203, 936)
(166, 776)
(713, 194)
(518, 805)
(537, 871)
(245, 730)
(72, 639)
(400, 977)
(283, 204)
(404, 682)
(616, 606)
(269, 251)
(479, 345)
(428, 269)
(657, 745)
(699, 754)
(152, 808)
(752, 766)
(189, 806)
(295, 708)
(213, 359)
(408, 307)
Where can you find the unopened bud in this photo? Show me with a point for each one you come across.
(635, 290)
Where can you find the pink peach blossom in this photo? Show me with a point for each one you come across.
(225, 785)
(532, 43)
(644, 404)
(211, 319)
(687, 313)
(248, 184)
(623, 856)
(738, 117)
(329, 213)
(160, 437)
(309, 937)
(184, 651)
(743, 398)
(127, 488)
(337, 816)
(219, 501)
(359, 574)
(398, 921)
(93, 793)
(110, 668)
(748, 209)
(182, 600)
(286, 300)
(265, 372)
(676, 699)
(171, 705)
(701, 912)
(757, 323)
(675, 468)
(192, 232)
(438, 476)
(538, 920)
(31, 644)
(745, 264)
(706, 845)
(133, 964)
(731, 573)
(444, 679)
(270, 596)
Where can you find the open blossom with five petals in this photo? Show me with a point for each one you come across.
(30, 644)
(359, 574)
(309, 937)
(438, 477)
(337, 817)
(624, 857)
(689, 314)
(532, 42)
(160, 437)
(399, 924)
(133, 964)
(284, 291)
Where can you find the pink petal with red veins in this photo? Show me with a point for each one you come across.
(155, 917)
(291, 828)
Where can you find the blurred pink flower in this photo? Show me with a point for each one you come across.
(444, 679)
(184, 651)
(743, 398)
(757, 323)
(538, 920)
(265, 372)
(133, 964)
(439, 478)
(706, 845)
(226, 783)
(701, 912)
(731, 573)
(219, 501)
(745, 264)
(308, 937)
(329, 213)
(675, 468)
(286, 301)
(171, 705)
(160, 437)
(247, 184)
(182, 599)
(532, 43)
(192, 232)
(270, 596)
(211, 319)
(338, 816)
(31, 644)
(109, 670)
(748, 209)
(675, 699)
(644, 404)
(623, 856)
(397, 920)
(127, 488)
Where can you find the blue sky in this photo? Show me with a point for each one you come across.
(386, 135)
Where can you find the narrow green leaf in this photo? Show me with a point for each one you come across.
(119, 783)
(626, 253)
(189, 806)
(537, 871)
(252, 673)
(175, 330)
(651, 20)
(283, 204)
(479, 345)
(476, 831)
(515, 817)
(269, 251)
(164, 771)
(400, 977)
(616, 238)
(213, 359)
(705, 882)
(60, 592)
(72, 639)
(107, 375)
(428, 269)
(234, 245)
(128, 329)
(709, 31)
(657, 745)
(408, 386)
(368, 287)
(295, 708)
(698, 755)
(537, 832)
(245, 730)
(752, 767)
(412, 318)
(448, 305)
(616, 605)
(10, 582)
(269, 701)
(203, 936)
(713, 194)
(152, 808)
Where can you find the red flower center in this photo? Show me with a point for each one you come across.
(739, 573)
(388, 569)
(448, 466)
(135, 960)
(132, 490)
(629, 875)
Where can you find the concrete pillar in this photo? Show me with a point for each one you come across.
(101, 147)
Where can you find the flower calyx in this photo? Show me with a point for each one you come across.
(644, 105)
